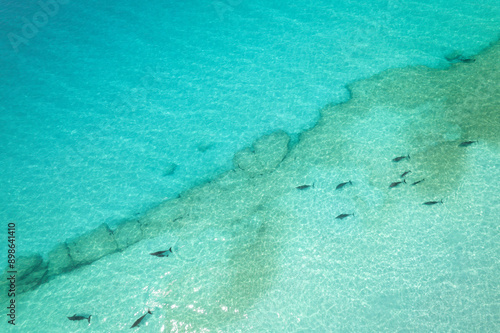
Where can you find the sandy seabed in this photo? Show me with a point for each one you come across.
(252, 253)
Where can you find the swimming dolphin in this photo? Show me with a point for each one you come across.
(303, 187)
(162, 253)
(397, 183)
(466, 143)
(343, 216)
(80, 317)
(430, 203)
(418, 181)
(466, 60)
(405, 173)
(339, 186)
(139, 321)
(400, 158)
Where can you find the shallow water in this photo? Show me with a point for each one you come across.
(252, 253)
(255, 254)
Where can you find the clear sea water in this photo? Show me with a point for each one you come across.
(104, 97)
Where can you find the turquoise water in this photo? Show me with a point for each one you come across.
(101, 101)
(104, 97)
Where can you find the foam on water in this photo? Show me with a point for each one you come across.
(103, 98)
(255, 254)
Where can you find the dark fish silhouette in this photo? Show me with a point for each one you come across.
(303, 187)
(339, 186)
(397, 183)
(79, 317)
(418, 181)
(405, 173)
(466, 143)
(400, 158)
(162, 253)
(430, 203)
(139, 321)
(343, 216)
(466, 60)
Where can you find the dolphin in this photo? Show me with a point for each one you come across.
(343, 216)
(339, 186)
(430, 203)
(405, 173)
(466, 60)
(80, 317)
(400, 158)
(139, 321)
(418, 181)
(303, 187)
(466, 143)
(397, 183)
(162, 253)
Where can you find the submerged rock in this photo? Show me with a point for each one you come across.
(166, 216)
(457, 56)
(93, 245)
(27, 264)
(454, 55)
(59, 260)
(128, 233)
(245, 159)
(29, 273)
(33, 279)
(266, 155)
